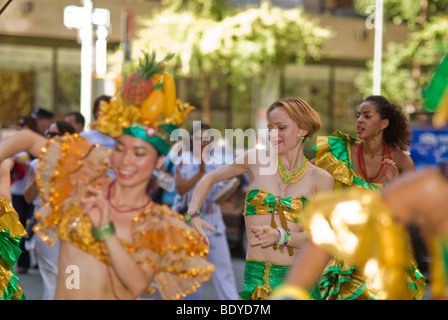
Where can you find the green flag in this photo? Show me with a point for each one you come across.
(435, 93)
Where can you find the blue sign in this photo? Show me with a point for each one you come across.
(429, 146)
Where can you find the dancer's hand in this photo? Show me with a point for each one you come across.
(265, 236)
(391, 170)
(96, 207)
(198, 225)
(420, 198)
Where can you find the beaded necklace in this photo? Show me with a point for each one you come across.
(362, 166)
(126, 210)
(294, 176)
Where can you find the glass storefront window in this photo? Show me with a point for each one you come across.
(68, 89)
(310, 83)
(41, 76)
(330, 91)
(346, 99)
(25, 79)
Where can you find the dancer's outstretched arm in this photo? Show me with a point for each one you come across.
(24, 140)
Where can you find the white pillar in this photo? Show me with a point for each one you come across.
(377, 64)
(86, 36)
(101, 50)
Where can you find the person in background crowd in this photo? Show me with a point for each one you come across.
(95, 136)
(43, 119)
(161, 195)
(76, 119)
(19, 180)
(187, 175)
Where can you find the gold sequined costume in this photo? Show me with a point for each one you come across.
(11, 233)
(357, 226)
(68, 166)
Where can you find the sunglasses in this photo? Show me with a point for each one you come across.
(52, 134)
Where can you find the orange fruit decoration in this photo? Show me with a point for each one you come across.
(153, 106)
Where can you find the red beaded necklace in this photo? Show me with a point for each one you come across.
(362, 166)
(126, 210)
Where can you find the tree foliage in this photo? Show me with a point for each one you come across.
(407, 67)
(242, 44)
(213, 9)
(412, 12)
(211, 39)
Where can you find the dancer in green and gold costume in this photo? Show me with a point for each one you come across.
(11, 233)
(280, 182)
(366, 229)
(370, 162)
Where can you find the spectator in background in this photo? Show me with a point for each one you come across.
(43, 119)
(94, 136)
(76, 119)
(187, 175)
(19, 178)
(27, 122)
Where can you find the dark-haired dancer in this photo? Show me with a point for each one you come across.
(114, 241)
(370, 162)
(378, 156)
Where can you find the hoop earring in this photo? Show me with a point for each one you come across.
(301, 137)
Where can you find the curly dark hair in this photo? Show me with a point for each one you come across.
(397, 134)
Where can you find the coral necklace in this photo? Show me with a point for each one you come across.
(126, 210)
(362, 166)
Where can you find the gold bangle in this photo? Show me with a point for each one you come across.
(289, 292)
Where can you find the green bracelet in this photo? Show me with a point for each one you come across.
(190, 216)
(103, 232)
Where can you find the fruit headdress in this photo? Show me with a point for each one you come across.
(146, 106)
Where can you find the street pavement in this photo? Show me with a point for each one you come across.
(31, 282)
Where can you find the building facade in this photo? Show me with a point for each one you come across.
(40, 62)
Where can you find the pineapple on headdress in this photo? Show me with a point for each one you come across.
(140, 84)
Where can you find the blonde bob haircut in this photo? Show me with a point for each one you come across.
(300, 112)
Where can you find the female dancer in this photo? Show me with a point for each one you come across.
(416, 197)
(370, 162)
(274, 202)
(377, 157)
(11, 233)
(113, 240)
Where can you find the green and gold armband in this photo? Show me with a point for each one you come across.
(104, 232)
